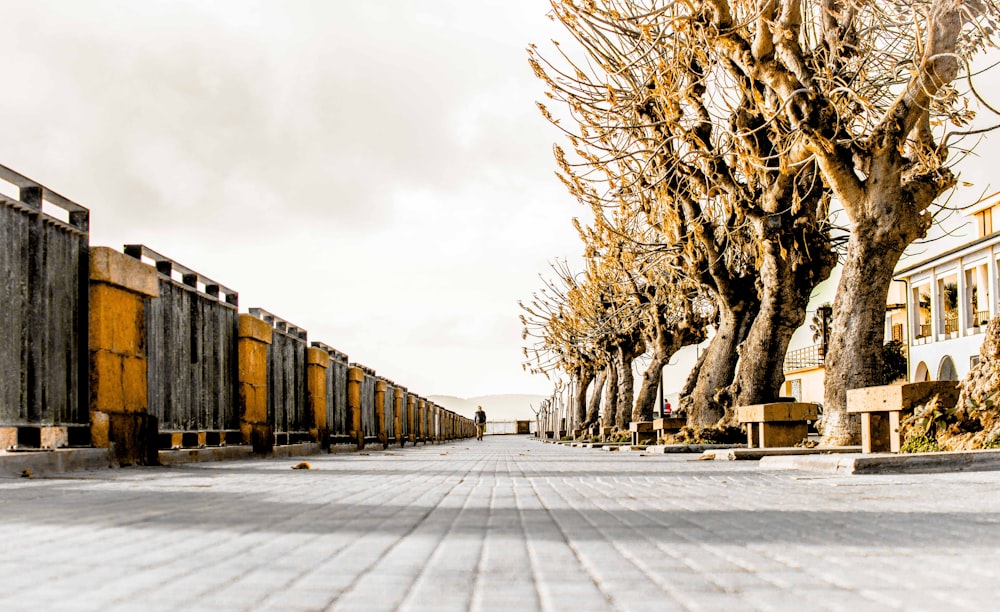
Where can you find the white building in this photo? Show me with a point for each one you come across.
(950, 298)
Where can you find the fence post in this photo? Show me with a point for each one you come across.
(355, 376)
(255, 336)
(119, 289)
(317, 362)
(380, 432)
(411, 407)
(421, 420)
(399, 407)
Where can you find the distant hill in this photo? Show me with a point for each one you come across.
(510, 407)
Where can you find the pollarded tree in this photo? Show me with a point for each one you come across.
(558, 323)
(672, 128)
(867, 89)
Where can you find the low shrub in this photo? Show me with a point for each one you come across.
(920, 443)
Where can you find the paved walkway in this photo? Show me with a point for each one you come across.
(507, 523)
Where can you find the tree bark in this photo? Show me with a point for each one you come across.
(594, 408)
(623, 358)
(584, 376)
(666, 343)
(787, 282)
(646, 400)
(705, 406)
(854, 356)
(610, 396)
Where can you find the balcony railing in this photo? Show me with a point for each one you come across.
(924, 330)
(806, 357)
(950, 324)
(981, 318)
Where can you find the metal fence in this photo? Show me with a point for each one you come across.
(191, 347)
(806, 357)
(44, 289)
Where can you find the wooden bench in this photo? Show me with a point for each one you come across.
(668, 425)
(642, 432)
(881, 409)
(778, 424)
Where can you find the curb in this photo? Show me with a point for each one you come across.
(50, 462)
(885, 463)
(666, 449)
(755, 454)
(227, 453)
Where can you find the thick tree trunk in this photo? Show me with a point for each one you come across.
(623, 358)
(645, 403)
(584, 376)
(854, 355)
(667, 342)
(787, 283)
(705, 406)
(610, 396)
(594, 409)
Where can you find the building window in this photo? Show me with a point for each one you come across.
(897, 332)
(922, 299)
(794, 388)
(984, 221)
(973, 361)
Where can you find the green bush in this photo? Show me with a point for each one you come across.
(920, 443)
(993, 442)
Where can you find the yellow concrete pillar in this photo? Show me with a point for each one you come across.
(317, 362)
(119, 289)
(355, 376)
(254, 338)
(383, 436)
(411, 420)
(420, 420)
(398, 407)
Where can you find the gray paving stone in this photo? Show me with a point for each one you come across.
(505, 524)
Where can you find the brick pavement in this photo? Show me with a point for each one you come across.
(507, 523)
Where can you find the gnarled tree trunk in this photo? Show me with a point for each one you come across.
(594, 408)
(665, 345)
(854, 355)
(581, 382)
(704, 406)
(789, 273)
(610, 396)
(624, 355)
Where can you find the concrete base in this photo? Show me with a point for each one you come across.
(918, 463)
(47, 463)
(198, 455)
(754, 454)
(666, 449)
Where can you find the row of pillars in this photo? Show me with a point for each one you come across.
(120, 288)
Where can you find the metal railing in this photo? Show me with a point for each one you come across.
(806, 357)
(980, 318)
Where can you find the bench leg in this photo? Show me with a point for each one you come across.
(895, 441)
(875, 433)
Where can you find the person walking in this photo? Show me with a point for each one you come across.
(480, 420)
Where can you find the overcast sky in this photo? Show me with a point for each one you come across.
(374, 172)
